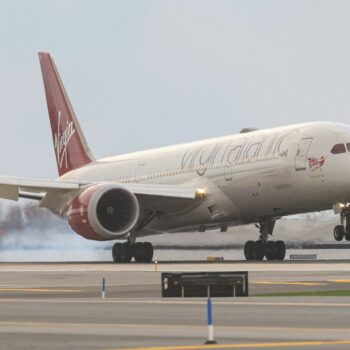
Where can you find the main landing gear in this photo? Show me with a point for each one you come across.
(343, 230)
(272, 250)
(140, 251)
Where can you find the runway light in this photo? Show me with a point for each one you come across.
(201, 192)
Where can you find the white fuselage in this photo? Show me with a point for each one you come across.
(249, 177)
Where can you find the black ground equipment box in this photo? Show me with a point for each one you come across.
(204, 284)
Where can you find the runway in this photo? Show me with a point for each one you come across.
(55, 306)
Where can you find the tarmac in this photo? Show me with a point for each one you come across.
(59, 305)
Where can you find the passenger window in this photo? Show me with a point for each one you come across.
(338, 148)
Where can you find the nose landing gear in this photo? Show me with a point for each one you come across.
(339, 233)
(343, 230)
(272, 250)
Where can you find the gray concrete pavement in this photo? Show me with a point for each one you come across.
(134, 323)
(55, 306)
(141, 280)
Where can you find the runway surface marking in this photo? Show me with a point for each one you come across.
(339, 281)
(172, 302)
(70, 325)
(39, 290)
(291, 283)
(180, 266)
(248, 345)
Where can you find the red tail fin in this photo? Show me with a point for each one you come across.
(71, 148)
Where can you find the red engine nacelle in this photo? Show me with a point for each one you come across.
(104, 212)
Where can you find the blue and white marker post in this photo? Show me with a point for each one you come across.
(210, 321)
(103, 293)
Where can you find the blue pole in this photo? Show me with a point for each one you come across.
(210, 323)
(210, 312)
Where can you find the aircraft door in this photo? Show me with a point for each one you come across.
(140, 173)
(301, 155)
(228, 172)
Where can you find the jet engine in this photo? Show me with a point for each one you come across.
(104, 212)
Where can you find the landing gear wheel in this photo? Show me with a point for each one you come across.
(115, 252)
(138, 252)
(347, 236)
(148, 256)
(122, 252)
(270, 250)
(125, 252)
(280, 250)
(143, 252)
(259, 250)
(249, 250)
(339, 233)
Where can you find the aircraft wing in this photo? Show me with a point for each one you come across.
(56, 195)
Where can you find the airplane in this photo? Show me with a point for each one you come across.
(254, 177)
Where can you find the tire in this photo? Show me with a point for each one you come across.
(139, 252)
(280, 250)
(249, 250)
(270, 250)
(347, 236)
(259, 250)
(115, 252)
(339, 233)
(148, 252)
(125, 253)
(143, 252)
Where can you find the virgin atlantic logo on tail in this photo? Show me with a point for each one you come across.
(62, 141)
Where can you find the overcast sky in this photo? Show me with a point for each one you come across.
(144, 74)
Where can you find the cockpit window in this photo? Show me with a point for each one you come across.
(348, 146)
(339, 148)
